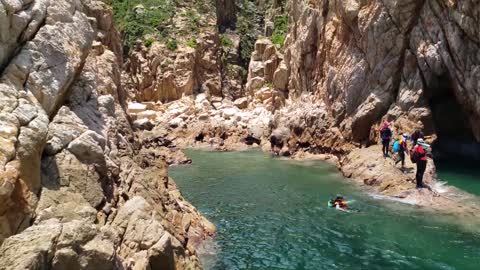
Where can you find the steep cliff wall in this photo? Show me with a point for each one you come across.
(199, 47)
(412, 62)
(78, 188)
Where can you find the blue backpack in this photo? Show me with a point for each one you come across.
(396, 146)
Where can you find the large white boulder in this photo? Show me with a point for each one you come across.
(134, 107)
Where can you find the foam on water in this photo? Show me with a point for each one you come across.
(441, 186)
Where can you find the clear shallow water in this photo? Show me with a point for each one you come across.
(272, 214)
(463, 174)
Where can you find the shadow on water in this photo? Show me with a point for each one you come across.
(273, 214)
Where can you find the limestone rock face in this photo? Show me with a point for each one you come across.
(158, 74)
(72, 245)
(206, 61)
(71, 166)
(19, 23)
(394, 60)
(33, 85)
(166, 73)
(261, 86)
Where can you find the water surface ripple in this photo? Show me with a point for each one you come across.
(272, 214)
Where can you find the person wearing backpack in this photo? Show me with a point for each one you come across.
(401, 149)
(419, 157)
(417, 134)
(385, 135)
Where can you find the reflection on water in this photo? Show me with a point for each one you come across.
(272, 214)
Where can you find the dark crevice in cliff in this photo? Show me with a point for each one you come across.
(450, 121)
(226, 14)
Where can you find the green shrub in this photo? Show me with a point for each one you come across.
(226, 41)
(148, 42)
(247, 22)
(134, 24)
(280, 31)
(192, 43)
(243, 73)
(172, 45)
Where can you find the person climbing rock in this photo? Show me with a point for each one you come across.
(417, 134)
(339, 203)
(419, 156)
(385, 135)
(402, 149)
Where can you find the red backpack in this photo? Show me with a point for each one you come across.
(417, 153)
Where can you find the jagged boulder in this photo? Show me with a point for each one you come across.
(72, 245)
(34, 84)
(241, 103)
(280, 77)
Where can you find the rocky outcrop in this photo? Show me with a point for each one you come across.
(384, 178)
(266, 77)
(159, 74)
(32, 87)
(78, 188)
(185, 64)
(233, 73)
(202, 60)
(20, 21)
(368, 60)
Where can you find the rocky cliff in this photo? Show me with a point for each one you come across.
(343, 68)
(411, 62)
(353, 63)
(90, 117)
(78, 188)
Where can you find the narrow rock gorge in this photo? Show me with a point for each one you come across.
(97, 99)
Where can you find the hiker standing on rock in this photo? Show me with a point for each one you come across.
(419, 156)
(385, 135)
(401, 148)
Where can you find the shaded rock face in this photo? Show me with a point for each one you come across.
(77, 188)
(226, 14)
(394, 60)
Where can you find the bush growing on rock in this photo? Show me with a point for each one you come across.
(136, 18)
(192, 43)
(148, 42)
(226, 41)
(172, 45)
(280, 31)
(247, 29)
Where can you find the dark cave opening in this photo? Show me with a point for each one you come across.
(455, 138)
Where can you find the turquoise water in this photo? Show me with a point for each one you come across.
(272, 214)
(463, 174)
